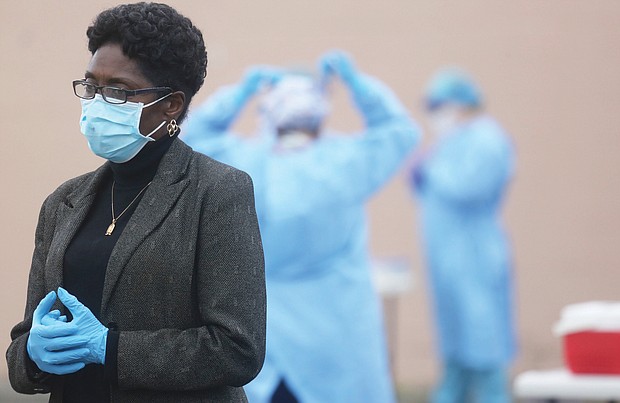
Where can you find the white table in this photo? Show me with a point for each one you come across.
(562, 384)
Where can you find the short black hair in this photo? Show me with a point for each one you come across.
(168, 48)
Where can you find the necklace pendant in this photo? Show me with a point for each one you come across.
(110, 228)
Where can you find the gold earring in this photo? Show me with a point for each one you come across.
(172, 128)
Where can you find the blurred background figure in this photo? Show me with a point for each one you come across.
(460, 182)
(325, 338)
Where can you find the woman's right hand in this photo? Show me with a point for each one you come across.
(50, 344)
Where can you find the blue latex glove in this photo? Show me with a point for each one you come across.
(52, 344)
(259, 76)
(418, 173)
(418, 178)
(88, 328)
(52, 317)
(338, 63)
(376, 102)
(223, 107)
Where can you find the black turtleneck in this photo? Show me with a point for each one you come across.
(87, 256)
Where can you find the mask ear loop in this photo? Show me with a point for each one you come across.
(176, 128)
(157, 100)
(157, 128)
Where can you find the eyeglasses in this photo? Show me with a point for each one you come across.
(85, 90)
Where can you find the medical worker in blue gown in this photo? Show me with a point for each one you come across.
(325, 339)
(461, 182)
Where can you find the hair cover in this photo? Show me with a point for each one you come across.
(452, 86)
(295, 103)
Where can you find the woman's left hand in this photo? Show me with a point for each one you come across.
(88, 327)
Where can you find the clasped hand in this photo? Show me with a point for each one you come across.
(60, 347)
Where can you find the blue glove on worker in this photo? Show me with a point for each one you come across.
(223, 107)
(61, 347)
(338, 63)
(418, 178)
(257, 77)
(376, 102)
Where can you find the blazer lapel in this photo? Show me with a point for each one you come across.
(69, 218)
(157, 202)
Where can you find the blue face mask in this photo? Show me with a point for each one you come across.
(113, 131)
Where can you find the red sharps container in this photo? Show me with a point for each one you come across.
(590, 333)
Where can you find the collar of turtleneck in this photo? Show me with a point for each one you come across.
(141, 169)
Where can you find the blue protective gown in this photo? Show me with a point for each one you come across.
(324, 322)
(460, 186)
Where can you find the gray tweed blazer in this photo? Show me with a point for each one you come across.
(184, 286)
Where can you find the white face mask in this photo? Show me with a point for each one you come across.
(113, 131)
(294, 141)
(444, 120)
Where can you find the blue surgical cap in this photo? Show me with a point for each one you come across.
(452, 86)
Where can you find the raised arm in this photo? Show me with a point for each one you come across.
(207, 128)
(376, 102)
(361, 164)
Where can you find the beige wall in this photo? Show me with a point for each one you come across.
(550, 70)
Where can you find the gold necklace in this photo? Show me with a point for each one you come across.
(114, 218)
